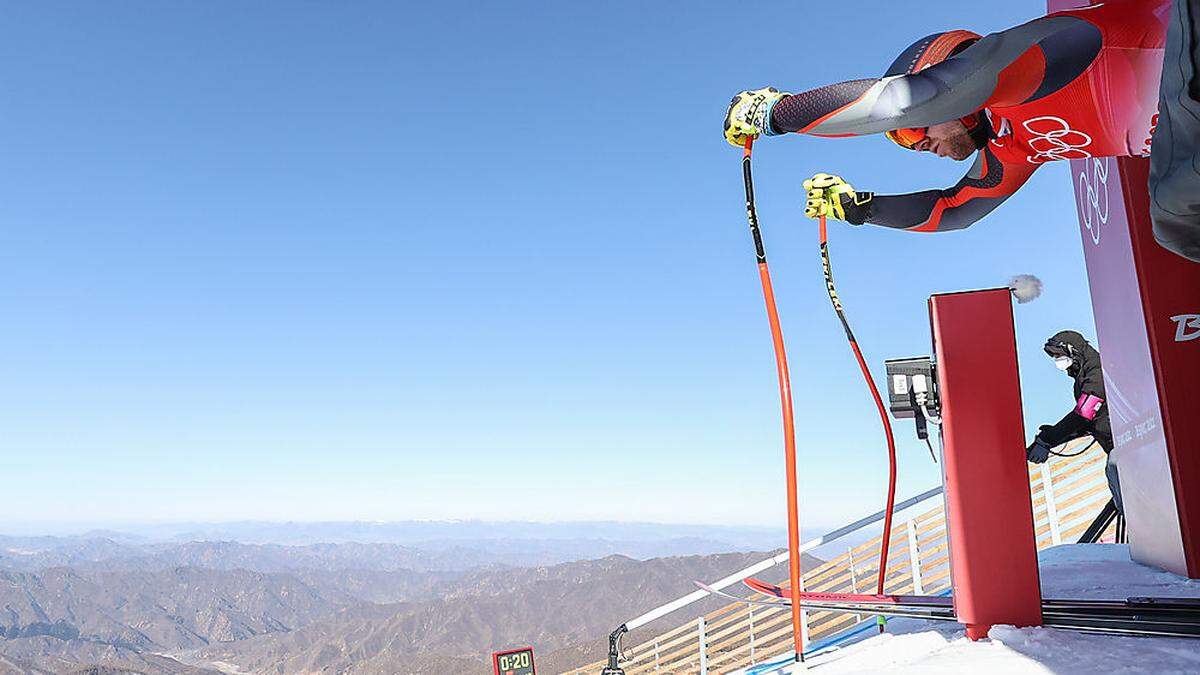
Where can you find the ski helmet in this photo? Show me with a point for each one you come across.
(920, 55)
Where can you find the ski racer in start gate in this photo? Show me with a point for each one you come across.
(1073, 84)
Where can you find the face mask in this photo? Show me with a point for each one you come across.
(1062, 362)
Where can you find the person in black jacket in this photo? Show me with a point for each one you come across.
(1072, 353)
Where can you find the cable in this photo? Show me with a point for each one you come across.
(920, 390)
(931, 452)
(1075, 454)
(929, 417)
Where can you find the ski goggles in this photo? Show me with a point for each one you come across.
(1057, 349)
(907, 138)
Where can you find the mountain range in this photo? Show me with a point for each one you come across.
(415, 545)
(133, 605)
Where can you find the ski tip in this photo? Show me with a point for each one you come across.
(761, 586)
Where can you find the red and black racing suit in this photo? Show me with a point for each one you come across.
(1073, 84)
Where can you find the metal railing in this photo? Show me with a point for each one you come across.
(1067, 493)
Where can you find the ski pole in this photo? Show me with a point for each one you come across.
(785, 400)
(887, 425)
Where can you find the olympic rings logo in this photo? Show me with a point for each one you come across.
(1054, 139)
(1093, 196)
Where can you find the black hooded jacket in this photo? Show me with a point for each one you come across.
(1089, 379)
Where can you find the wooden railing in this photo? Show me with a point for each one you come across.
(1067, 494)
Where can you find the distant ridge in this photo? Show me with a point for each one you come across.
(417, 531)
(417, 545)
(186, 608)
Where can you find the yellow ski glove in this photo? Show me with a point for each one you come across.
(829, 195)
(749, 115)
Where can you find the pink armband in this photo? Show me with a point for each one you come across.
(1089, 406)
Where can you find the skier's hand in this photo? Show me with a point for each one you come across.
(1038, 451)
(749, 115)
(829, 195)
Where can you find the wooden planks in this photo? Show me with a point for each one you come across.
(1079, 491)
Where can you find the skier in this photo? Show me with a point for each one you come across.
(1072, 354)
(1073, 84)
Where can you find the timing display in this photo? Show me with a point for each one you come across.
(514, 662)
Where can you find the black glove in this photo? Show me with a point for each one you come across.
(1038, 451)
(857, 207)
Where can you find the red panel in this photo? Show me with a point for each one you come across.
(1146, 302)
(989, 512)
(1170, 293)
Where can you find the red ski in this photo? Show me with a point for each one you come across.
(772, 590)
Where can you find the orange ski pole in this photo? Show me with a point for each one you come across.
(785, 400)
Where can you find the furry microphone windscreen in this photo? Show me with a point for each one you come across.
(1025, 287)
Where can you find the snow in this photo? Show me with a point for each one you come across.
(1104, 571)
(1093, 571)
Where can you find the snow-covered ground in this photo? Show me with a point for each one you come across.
(1100, 571)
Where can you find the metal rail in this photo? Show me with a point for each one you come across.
(743, 635)
(736, 577)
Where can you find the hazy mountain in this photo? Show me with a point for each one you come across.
(565, 610)
(39, 656)
(158, 611)
(139, 604)
(126, 620)
(279, 558)
(35, 554)
(31, 553)
(375, 546)
(442, 534)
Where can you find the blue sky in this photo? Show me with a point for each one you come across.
(311, 261)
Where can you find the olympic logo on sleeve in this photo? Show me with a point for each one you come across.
(1053, 139)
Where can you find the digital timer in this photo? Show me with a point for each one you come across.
(514, 662)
